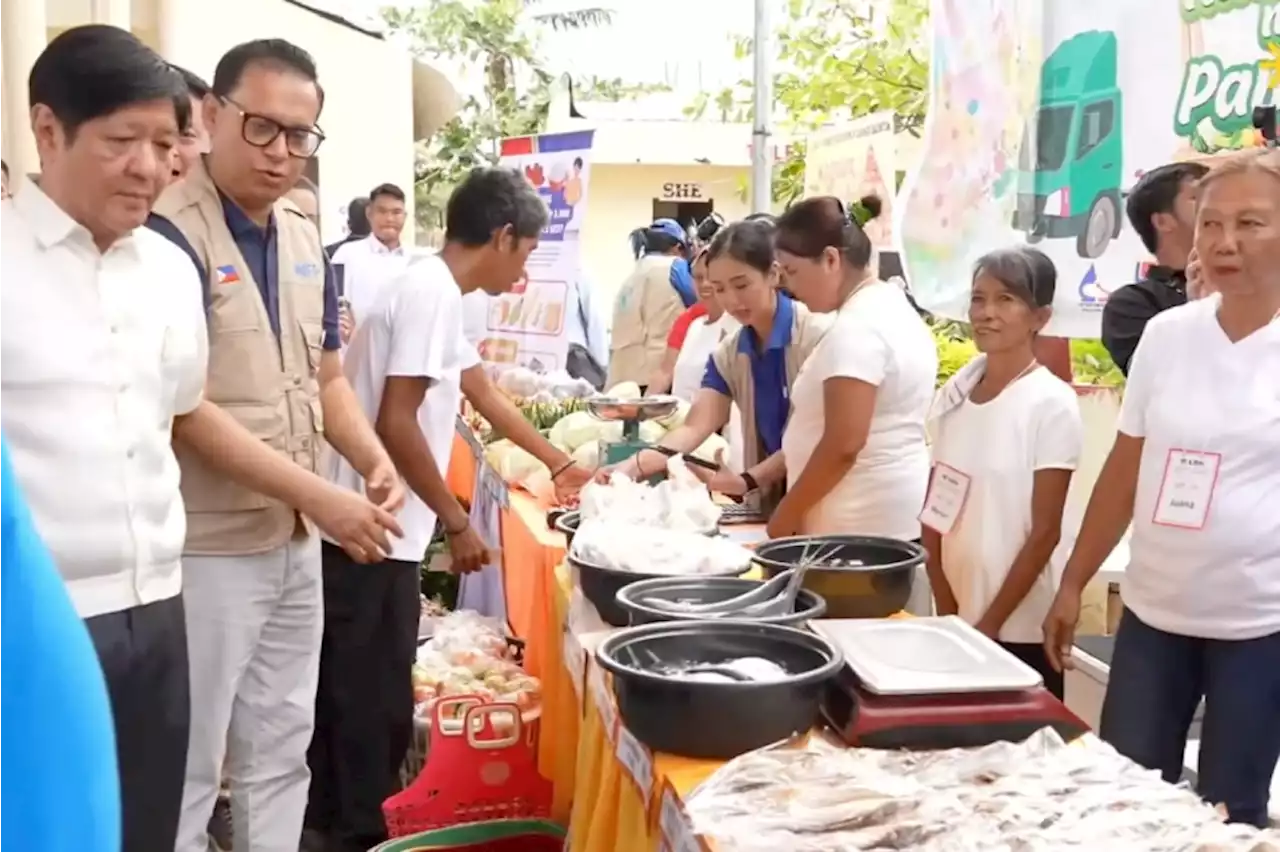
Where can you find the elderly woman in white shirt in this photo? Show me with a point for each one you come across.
(856, 456)
(1007, 436)
(1196, 468)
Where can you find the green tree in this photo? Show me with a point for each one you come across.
(836, 60)
(576, 19)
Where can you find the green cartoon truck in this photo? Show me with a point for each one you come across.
(1069, 177)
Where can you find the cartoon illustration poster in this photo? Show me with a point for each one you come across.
(854, 160)
(528, 326)
(1043, 116)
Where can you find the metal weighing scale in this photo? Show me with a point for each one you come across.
(630, 413)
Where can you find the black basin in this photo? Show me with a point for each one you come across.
(880, 587)
(601, 585)
(809, 605)
(568, 523)
(716, 721)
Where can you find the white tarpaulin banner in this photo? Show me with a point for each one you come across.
(1043, 115)
(854, 160)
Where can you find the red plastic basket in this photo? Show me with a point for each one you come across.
(485, 770)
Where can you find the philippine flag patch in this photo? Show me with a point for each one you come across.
(227, 275)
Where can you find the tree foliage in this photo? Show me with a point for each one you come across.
(836, 60)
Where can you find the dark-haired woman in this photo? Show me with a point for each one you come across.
(692, 339)
(755, 367)
(857, 458)
(1007, 437)
(649, 301)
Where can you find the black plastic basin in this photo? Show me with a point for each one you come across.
(705, 590)
(880, 587)
(569, 521)
(601, 585)
(716, 721)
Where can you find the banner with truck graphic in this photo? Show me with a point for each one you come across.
(529, 326)
(1042, 116)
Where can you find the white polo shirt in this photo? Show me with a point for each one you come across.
(1191, 390)
(98, 353)
(367, 266)
(1033, 424)
(877, 338)
(413, 329)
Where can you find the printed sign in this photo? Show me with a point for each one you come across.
(529, 326)
(1042, 116)
(637, 761)
(603, 698)
(855, 160)
(677, 834)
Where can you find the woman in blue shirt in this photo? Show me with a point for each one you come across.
(755, 367)
(60, 790)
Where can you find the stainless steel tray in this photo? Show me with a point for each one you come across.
(926, 656)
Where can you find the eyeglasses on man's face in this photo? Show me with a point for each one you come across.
(261, 131)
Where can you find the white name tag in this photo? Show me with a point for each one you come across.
(1186, 491)
(603, 699)
(948, 489)
(677, 834)
(638, 762)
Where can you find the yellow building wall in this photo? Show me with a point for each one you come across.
(621, 199)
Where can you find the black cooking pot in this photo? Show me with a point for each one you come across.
(879, 587)
(601, 585)
(705, 590)
(716, 721)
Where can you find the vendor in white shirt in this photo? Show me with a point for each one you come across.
(857, 458)
(1007, 437)
(370, 263)
(1196, 469)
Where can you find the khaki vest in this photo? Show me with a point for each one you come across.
(646, 308)
(807, 330)
(269, 386)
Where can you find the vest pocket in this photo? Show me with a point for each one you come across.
(313, 337)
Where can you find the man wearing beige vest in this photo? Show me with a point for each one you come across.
(252, 556)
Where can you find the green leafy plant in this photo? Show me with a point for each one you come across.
(955, 348)
(1091, 364)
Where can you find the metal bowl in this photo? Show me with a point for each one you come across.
(645, 408)
(878, 588)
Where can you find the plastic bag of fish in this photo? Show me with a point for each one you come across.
(644, 550)
(680, 502)
(1041, 795)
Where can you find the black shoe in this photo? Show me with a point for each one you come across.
(220, 825)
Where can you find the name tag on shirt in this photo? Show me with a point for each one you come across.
(1186, 491)
(948, 489)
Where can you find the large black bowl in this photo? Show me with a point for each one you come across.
(568, 524)
(716, 721)
(880, 587)
(601, 585)
(705, 590)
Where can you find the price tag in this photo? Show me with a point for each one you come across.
(575, 660)
(677, 834)
(638, 761)
(603, 699)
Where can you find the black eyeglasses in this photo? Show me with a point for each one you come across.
(260, 131)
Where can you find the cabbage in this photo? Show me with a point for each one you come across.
(517, 465)
(588, 455)
(574, 430)
(651, 432)
(494, 453)
(624, 390)
(675, 418)
(714, 445)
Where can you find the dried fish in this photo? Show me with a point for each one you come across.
(1041, 795)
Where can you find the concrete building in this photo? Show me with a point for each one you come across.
(379, 100)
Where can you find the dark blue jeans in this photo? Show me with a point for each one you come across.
(1157, 680)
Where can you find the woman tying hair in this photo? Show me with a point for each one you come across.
(1196, 468)
(1007, 436)
(856, 456)
(754, 367)
(649, 301)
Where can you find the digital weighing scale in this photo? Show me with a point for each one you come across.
(934, 683)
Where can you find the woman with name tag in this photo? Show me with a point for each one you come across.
(856, 455)
(753, 367)
(1007, 437)
(1196, 468)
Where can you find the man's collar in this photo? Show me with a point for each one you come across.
(50, 224)
(377, 246)
(779, 334)
(1167, 275)
(239, 223)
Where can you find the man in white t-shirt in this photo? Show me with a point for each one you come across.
(368, 264)
(410, 363)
